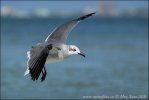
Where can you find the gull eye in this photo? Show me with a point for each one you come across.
(74, 49)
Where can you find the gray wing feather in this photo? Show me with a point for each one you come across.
(61, 33)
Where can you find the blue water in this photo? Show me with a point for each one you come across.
(116, 60)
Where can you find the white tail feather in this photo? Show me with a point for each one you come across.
(26, 72)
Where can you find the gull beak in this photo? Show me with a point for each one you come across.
(82, 54)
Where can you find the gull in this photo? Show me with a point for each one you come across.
(53, 49)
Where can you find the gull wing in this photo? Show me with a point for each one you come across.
(37, 58)
(61, 33)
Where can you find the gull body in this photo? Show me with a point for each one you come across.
(58, 54)
(53, 49)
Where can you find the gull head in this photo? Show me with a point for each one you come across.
(74, 50)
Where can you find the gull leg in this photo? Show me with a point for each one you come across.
(44, 73)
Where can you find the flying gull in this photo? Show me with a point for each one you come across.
(53, 49)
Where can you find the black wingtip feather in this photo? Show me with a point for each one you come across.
(37, 66)
(37, 69)
(44, 73)
(85, 16)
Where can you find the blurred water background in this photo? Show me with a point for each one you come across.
(115, 42)
(116, 59)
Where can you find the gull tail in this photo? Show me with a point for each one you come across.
(85, 16)
(26, 72)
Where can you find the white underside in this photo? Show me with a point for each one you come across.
(52, 60)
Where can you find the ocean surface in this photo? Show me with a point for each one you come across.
(116, 62)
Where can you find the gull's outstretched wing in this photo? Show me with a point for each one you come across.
(60, 34)
(37, 58)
